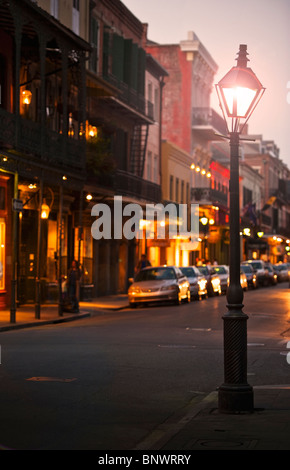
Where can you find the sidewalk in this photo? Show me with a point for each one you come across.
(200, 426)
(25, 314)
(203, 427)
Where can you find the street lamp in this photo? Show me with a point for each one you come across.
(239, 93)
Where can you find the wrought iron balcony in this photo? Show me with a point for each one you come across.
(124, 183)
(202, 117)
(130, 97)
(130, 185)
(55, 149)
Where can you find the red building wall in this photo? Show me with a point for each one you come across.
(177, 94)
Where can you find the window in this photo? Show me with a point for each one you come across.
(54, 8)
(149, 91)
(155, 169)
(149, 164)
(156, 104)
(94, 40)
(187, 194)
(171, 188)
(76, 17)
(176, 189)
(2, 253)
(182, 192)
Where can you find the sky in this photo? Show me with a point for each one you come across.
(221, 26)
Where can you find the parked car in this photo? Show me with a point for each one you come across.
(162, 283)
(213, 281)
(249, 272)
(197, 282)
(281, 271)
(223, 273)
(243, 280)
(260, 271)
(273, 277)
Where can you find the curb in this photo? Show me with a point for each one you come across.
(19, 326)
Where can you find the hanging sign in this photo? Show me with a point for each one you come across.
(17, 205)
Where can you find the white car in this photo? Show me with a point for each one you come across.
(162, 283)
(223, 273)
(261, 272)
(197, 282)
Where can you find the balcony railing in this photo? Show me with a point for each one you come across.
(282, 193)
(208, 117)
(209, 195)
(130, 96)
(56, 149)
(131, 185)
(124, 183)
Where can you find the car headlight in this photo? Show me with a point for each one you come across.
(134, 290)
(202, 284)
(215, 283)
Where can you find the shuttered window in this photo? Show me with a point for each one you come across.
(106, 53)
(94, 40)
(118, 57)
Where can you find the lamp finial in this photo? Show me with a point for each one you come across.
(242, 56)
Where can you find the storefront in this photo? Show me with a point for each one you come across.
(6, 249)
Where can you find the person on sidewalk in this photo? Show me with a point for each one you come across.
(74, 280)
(143, 263)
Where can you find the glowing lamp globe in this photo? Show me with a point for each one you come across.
(239, 91)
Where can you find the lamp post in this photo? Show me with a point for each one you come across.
(239, 92)
(204, 222)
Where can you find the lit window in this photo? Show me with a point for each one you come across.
(2, 254)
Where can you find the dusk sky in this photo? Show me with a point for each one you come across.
(264, 25)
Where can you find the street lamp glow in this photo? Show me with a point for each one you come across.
(239, 91)
(238, 100)
(26, 97)
(44, 210)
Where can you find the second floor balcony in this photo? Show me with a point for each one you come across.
(47, 146)
(207, 120)
(125, 184)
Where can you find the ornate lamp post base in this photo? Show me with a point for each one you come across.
(239, 399)
(235, 394)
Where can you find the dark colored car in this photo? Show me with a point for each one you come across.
(261, 271)
(281, 271)
(273, 278)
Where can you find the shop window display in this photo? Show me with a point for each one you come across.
(2, 254)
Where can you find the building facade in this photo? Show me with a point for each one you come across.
(274, 216)
(42, 161)
(190, 123)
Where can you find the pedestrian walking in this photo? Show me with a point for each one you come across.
(74, 280)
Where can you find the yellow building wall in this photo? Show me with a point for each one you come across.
(65, 14)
